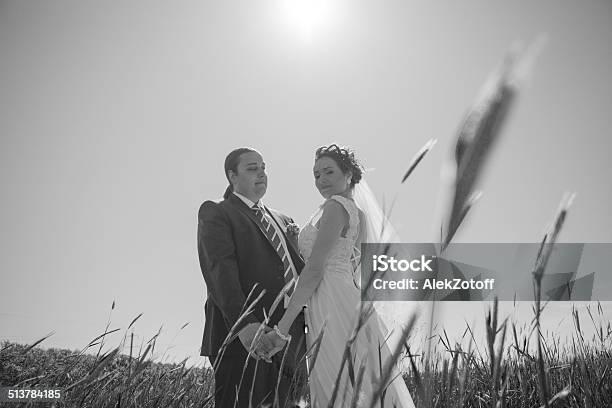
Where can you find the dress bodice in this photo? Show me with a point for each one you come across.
(343, 254)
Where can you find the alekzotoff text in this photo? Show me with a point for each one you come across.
(439, 284)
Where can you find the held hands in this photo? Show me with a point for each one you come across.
(261, 343)
(272, 338)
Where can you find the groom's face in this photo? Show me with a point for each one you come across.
(250, 178)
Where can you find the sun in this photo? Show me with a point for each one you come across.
(307, 18)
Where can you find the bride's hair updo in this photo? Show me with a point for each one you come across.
(344, 158)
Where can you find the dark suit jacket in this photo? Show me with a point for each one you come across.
(235, 255)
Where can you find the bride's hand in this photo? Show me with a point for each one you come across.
(277, 341)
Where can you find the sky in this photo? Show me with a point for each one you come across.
(115, 119)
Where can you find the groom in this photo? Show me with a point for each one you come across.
(243, 246)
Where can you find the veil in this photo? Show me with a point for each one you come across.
(378, 228)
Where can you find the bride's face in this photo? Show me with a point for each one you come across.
(329, 179)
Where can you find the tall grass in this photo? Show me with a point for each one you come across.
(91, 378)
(577, 373)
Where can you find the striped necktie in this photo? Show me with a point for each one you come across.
(275, 240)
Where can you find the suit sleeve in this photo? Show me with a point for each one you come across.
(219, 265)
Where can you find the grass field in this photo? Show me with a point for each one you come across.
(508, 374)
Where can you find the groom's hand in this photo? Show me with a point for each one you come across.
(247, 335)
(264, 347)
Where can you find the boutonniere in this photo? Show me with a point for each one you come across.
(293, 229)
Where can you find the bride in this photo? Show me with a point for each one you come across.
(329, 243)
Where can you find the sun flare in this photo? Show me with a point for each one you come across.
(307, 18)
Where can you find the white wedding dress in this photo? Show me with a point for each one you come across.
(335, 303)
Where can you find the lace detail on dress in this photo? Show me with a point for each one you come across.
(342, 256)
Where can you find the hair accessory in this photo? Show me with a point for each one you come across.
(345, 159)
